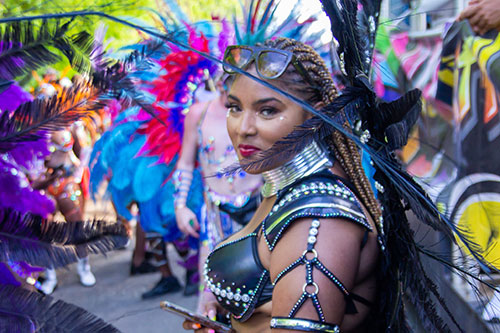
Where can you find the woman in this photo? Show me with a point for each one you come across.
(206, 141)
(63, 185)
(307, 259)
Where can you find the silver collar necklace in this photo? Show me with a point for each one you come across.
(312, 159)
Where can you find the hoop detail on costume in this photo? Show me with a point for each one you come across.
(314, 284)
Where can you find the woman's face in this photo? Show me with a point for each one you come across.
(258, 117)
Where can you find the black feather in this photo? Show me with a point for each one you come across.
(120, 77)
(344, 26)
(368, 16)
(285, 148)
(22, 310)
(45, 243)
(53, 113)
(26, 47)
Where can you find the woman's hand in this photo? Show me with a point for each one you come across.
(187, 221)
(210, 308)
(483, 15)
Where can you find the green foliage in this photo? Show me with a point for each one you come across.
(117, 35)
(205, 9)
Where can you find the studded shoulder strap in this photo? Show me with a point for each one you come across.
(315, 197)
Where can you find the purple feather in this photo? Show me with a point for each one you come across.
(226, 38)
(6, 67)
(13, 96)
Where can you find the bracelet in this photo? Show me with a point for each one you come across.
(182, 182)
(179, 205)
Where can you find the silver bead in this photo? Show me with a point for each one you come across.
(245, 298)
(311, 239)
(371, 21)
(365, 137)
(379, 187)
(315, 223)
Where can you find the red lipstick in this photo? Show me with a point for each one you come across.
(247, 150)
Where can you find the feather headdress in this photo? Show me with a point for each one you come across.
(183, 72)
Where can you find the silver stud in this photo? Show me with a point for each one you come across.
(230, 295)
(371, 21)
(237, 297)
(365, 137)
(315, 223)
(311, 239)
(379, 187)
(313, 231)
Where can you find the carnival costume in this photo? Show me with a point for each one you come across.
(27, 238)
(306, 189)
(377, 127)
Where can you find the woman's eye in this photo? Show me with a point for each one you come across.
(268, 112)
(232, 108)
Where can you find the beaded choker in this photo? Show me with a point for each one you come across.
(312, 159)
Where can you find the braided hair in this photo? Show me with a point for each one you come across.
(346, 151)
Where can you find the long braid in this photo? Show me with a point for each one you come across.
(346, 151)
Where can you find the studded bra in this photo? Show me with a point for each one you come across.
(235, 274)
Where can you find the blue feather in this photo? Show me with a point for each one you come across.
(147, 178)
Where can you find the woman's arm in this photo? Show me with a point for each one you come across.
(305, 292)
(186, 219)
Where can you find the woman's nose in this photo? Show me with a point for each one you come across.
(247, 126)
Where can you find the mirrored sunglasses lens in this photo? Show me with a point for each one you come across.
(237, 57)
(272, 64)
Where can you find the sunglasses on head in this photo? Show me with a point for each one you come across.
(269, 63)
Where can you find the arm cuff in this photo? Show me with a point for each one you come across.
(303, 325)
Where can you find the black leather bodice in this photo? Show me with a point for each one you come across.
(234, 272)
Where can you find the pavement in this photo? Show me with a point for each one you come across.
(116, 297)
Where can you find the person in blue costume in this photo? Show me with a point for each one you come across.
(139, 179)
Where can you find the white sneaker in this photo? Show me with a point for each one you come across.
(87, 278)
(49, 285)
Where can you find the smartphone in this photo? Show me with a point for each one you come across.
(195, 317)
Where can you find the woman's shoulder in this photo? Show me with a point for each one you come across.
(323, 195)
(196, 111)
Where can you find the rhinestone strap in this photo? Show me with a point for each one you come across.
(312, 159)
(310, 259)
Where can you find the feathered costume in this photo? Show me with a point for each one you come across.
(378, 128)
(138, 154)
(26, 237)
